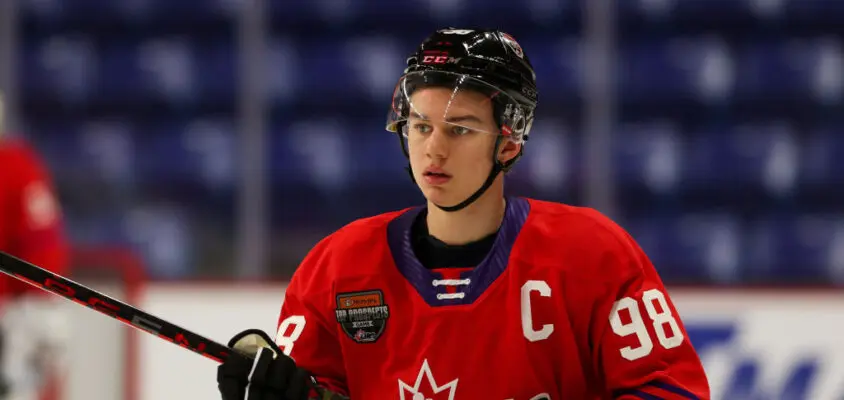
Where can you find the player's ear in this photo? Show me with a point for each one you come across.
(508, 150)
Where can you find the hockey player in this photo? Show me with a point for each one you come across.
(30, 228)
(473, 296)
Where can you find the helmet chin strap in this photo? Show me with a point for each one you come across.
(497, 167)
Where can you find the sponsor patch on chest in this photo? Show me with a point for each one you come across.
(362, 315)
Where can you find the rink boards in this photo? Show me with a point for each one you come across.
(755, 344)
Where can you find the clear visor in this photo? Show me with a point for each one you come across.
(455, 103)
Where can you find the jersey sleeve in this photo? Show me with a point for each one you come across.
(304, 330)
(36, 220)
(640, 342)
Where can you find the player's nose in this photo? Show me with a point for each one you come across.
(436, 145)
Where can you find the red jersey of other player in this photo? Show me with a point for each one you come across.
(30, 220)
(30, 228)
(473, 296)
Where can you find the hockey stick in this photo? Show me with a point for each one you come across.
(51, 282)
(129, 315)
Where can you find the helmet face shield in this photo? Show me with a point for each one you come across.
(456, 103)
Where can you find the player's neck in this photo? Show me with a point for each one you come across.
(475, 222)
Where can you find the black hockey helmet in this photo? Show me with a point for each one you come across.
(489, 62)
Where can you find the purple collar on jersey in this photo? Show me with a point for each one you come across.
(480, 277)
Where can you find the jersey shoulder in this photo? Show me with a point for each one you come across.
(360, 234)
(346, 252)
(18, 152)
(25, 162)
(25, 173)
(558, 221)
(584, 239)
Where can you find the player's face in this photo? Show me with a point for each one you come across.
(451, 156)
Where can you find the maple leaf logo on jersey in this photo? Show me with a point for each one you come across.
(427, 390)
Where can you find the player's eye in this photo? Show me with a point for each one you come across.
(422, 128)
(461, 130)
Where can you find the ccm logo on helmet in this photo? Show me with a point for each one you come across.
(440, 60)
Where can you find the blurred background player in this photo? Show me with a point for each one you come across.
(30, 228)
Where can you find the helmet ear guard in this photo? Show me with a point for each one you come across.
(515, 122)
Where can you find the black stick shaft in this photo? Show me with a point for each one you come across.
(51, 282)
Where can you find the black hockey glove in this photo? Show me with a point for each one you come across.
(271, 375)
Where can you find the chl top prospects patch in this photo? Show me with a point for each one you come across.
(362, 315)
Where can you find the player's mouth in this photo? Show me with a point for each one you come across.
(435, 176)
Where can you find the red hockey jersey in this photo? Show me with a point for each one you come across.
(565, 306)
(30, 218)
